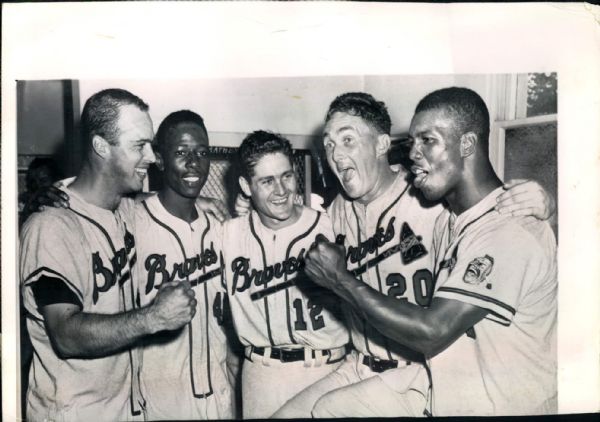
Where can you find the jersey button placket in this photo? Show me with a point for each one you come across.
(366, 230)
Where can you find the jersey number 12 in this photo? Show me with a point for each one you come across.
(314, 311)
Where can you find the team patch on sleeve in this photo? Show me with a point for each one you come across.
(478, 270)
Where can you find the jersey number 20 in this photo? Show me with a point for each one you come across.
(422, 282)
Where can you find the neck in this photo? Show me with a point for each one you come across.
(385, 178)
(178, 206)
(275, 224)
(92, 186)
(476, 185)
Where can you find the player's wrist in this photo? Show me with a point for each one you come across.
(148, 321)
(346, 280)
(348, 287)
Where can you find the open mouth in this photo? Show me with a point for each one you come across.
(420, 176)
(346, 173)
(141, 172)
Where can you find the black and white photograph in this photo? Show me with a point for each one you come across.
(274, 242)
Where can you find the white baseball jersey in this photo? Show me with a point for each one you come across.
(398, 218)
(257, 258)
(85, 253)
(183, 372)
(505, 364)
(302, 316)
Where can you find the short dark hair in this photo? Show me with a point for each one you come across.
(363, 105)
(465, 106)
(258, 144)
(101, 114)
(172, 120)
(38, 163)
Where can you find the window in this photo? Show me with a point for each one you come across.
(523, 142)
(541, 94)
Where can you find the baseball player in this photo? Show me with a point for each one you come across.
(184, 372)
(183, 375)
(293, 336)
(75, 268)
(386, 228)
(489, 332)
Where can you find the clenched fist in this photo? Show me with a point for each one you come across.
(173, 306)
(325, 262)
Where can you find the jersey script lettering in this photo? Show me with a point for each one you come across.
(242, 271)
(380, 238)
(158, 272)
(105, 278)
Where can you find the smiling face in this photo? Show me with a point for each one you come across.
(184, 160)
(351, 148)
(132, 154)
(272, 187)
(437, 163)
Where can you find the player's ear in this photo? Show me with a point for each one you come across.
(100, 146)
(468, 142)
(245, 186)
(383, 144)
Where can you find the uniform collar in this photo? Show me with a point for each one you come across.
(473, 213)
(155, 205)
(78, 203)
(257, 222)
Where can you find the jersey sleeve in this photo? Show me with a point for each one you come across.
(51, 250)
(493, 271)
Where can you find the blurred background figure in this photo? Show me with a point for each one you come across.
(41, 173)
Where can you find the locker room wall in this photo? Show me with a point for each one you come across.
(47, 117)
(294, 107)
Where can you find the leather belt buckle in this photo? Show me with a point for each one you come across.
(295, 355)
(379, 365)
(286, 356)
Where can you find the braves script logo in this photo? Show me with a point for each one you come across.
(158, 271)
(246, 275)
(410, 245)
(105, 278)
(380, 238)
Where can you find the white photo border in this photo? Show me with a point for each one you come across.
(155, 40)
